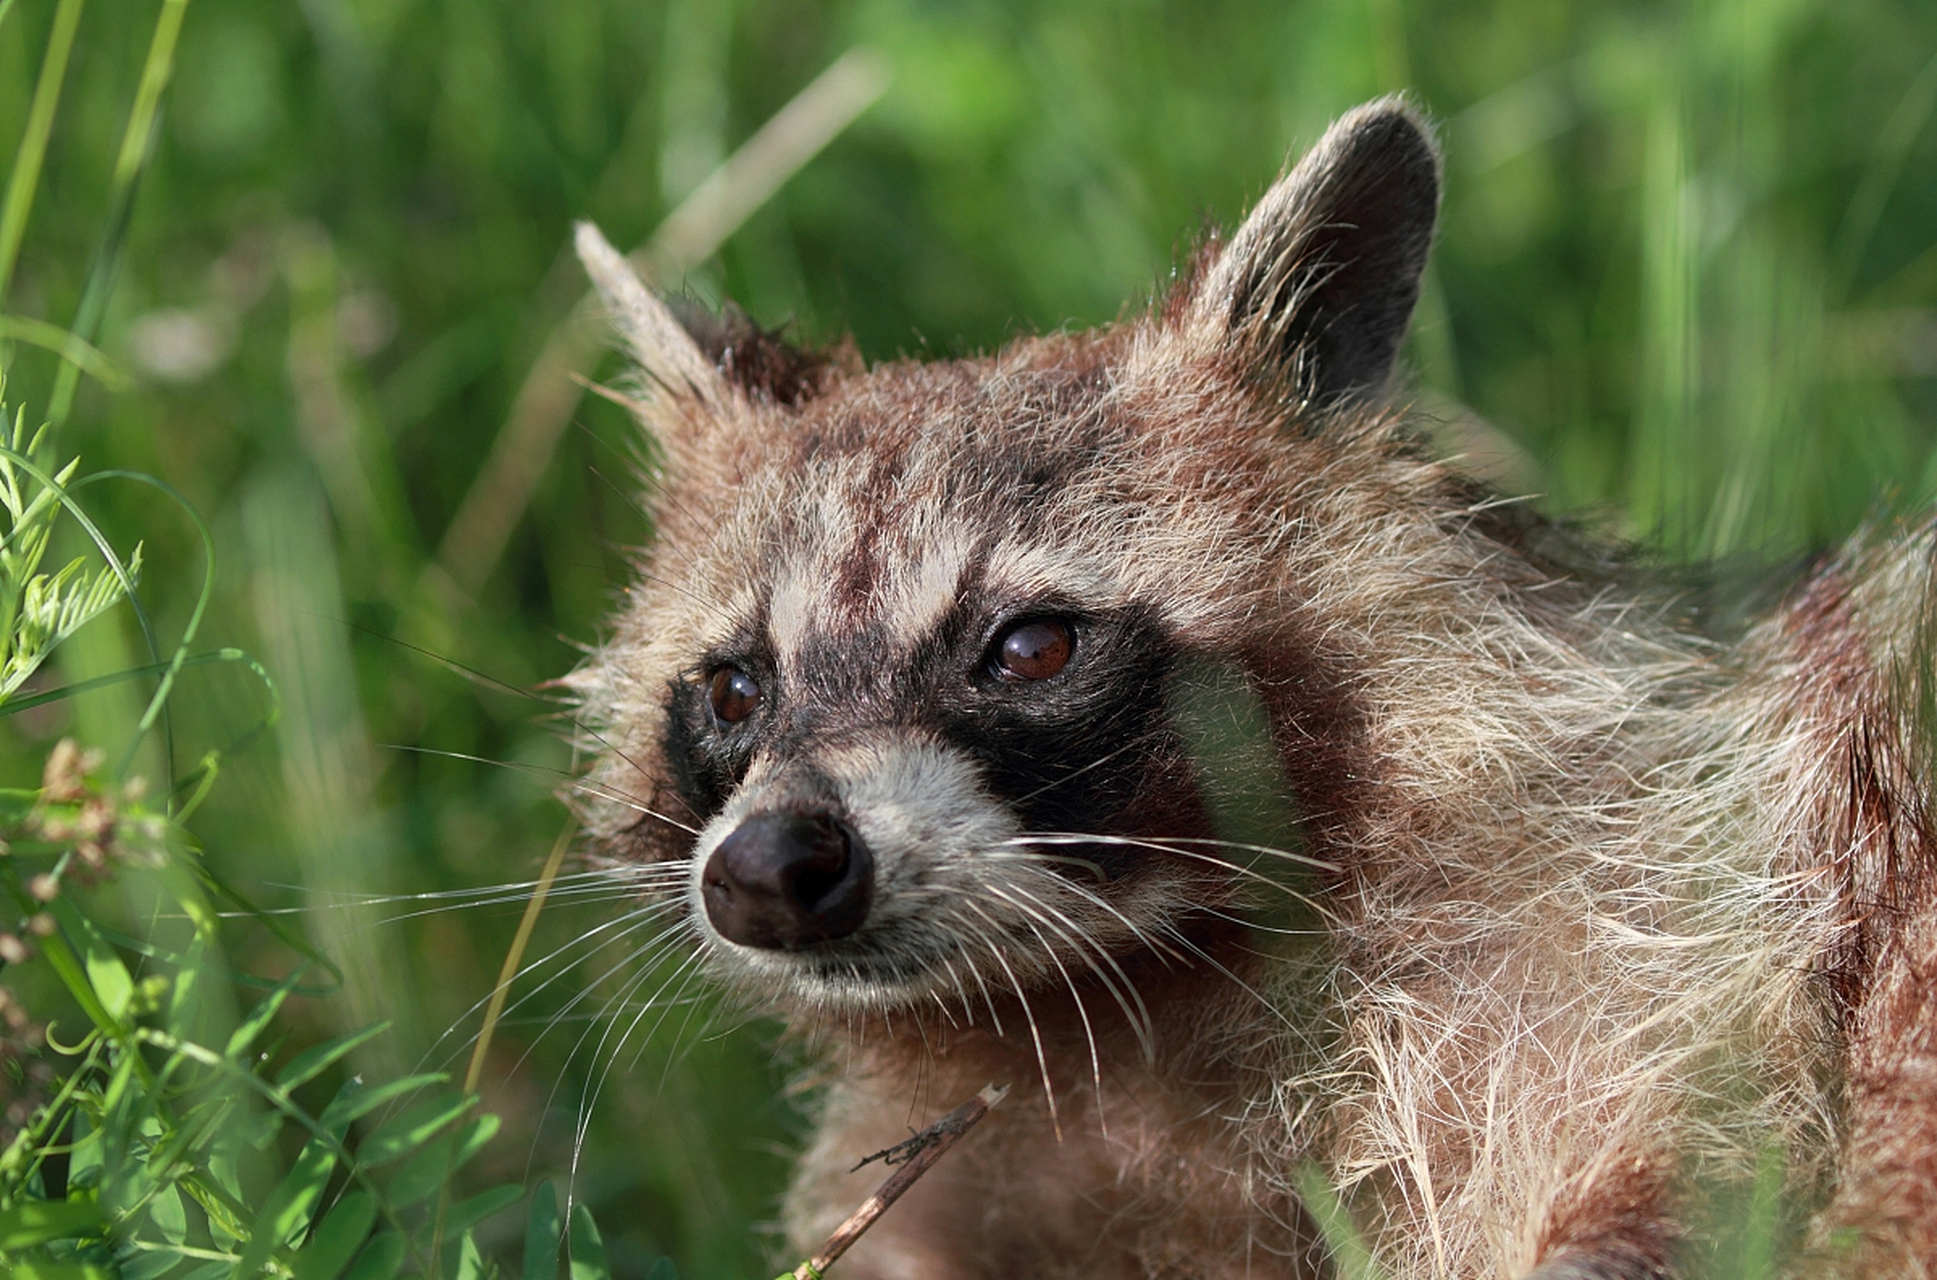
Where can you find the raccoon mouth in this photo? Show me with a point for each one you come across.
(882, 966)
(875, 974)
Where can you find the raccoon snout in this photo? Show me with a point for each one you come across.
(785, 881)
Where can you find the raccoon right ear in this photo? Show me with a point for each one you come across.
(1313, 293)
(666, 353)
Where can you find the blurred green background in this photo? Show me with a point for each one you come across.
(1687, 283)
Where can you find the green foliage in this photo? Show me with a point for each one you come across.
(155, 1136)
(38, 611)
(172, 1145)
(298, 260)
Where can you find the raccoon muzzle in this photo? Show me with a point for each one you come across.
(786, 881)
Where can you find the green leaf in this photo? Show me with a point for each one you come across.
(380, 1259)
(423, 1173)
(185, 997)
(290, 1206)
(353, 1101)
(37, 1221)
(470, 1265)
(467, 1213)
(342, 1231)
(192, 1140)
(259, 1130)
(100, 982)
(118, 1102)
(432, 1167)
(475, 1133)
(84, 1157)
(53, 608)
(166, 1212)
(588, 1251)
(224, 1196)
(149, 1264)
(183, 886)
(310, 1063)
(543, 1232)
(404, 1133)
(663, 1270)
(259, 1018)
(55, 1271)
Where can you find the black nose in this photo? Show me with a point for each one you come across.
(785, 881)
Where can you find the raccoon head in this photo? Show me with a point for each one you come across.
(925, 680)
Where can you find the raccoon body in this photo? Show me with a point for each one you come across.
(1144, 718)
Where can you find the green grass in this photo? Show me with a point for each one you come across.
(1686, 280)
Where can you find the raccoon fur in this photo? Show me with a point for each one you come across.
(1145, 718)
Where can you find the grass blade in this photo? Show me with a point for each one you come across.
(137, 147)
(25, 178)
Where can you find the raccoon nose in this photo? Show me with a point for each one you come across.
(784, 881)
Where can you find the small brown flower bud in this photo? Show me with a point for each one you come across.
(44, 887)
(61, 779)
(13, 950)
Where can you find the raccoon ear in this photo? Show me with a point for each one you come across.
(1315, 290)
(666, 353)
(761, 362)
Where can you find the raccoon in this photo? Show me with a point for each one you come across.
(1145, 717)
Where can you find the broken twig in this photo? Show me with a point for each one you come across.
(911, 1159)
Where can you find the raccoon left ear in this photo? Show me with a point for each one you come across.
(1316, 288)
(666, 353)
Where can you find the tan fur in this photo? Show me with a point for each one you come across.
(1579, 917)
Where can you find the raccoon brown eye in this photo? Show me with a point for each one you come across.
(1034, 650)
(734, 694)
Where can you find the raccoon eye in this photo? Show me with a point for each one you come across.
(1033, 650)
(733, 693)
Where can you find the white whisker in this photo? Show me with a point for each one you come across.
(1029, 1016)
